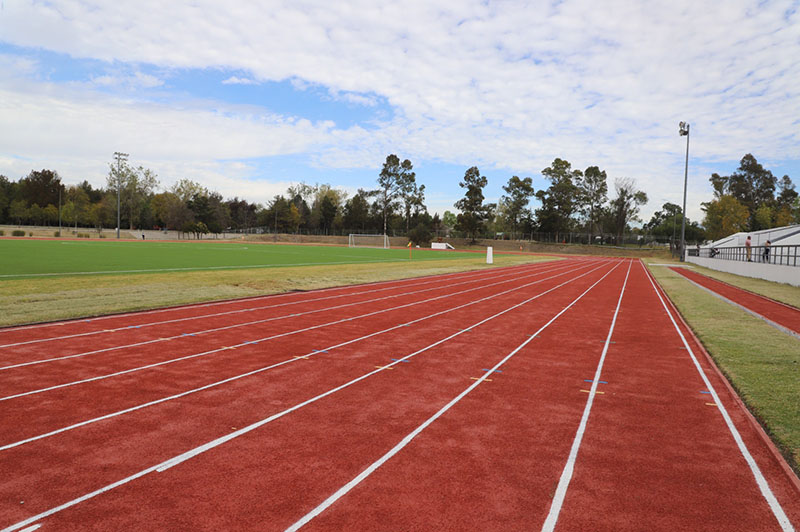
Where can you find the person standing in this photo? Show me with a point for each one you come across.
(765, 254)
(748, 249)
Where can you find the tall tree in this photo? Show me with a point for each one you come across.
(751, 185)
(40, 187)
(560, 199)
(136, 186)
(413, 199)
(356, 211)
(724, 216)
(519, 193)
(625, 207)
(395, 180)
(593, 193)
(327, 211)
(473, 210)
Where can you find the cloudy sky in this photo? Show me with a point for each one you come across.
(248, 97)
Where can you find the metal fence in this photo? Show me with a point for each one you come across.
(786, 255)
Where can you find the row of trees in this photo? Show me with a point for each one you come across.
(576, 201)
(750, 199)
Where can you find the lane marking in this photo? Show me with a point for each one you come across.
(712, 404)
(566, 475)
(385, 367)
(400, 359)
(491, 370)
(219, 441)
(592, 380)
(394, 284)
(281, 335)
(479, 379)
(256, 322)
(761, 481)
(278, 364)
(596, 392)
(341, 492)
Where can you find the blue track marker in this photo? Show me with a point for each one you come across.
(398, 360)
(319, 350)
(591, 380)
(495, 371)
(703, 391)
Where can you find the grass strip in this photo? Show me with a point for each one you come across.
(785, 293)
(762, 364)
(48, 299)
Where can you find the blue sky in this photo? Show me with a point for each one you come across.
(249, 98)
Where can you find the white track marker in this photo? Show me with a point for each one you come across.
(250, 309)
(405, 441)
(763, 485)
(284, 362)
(281, 335)
(569, 467)
(257, 298)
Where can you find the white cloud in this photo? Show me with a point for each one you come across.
(234, 80)
(508, 85)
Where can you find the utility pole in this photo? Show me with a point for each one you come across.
(683, 131)
(120, 157)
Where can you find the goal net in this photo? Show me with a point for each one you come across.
(368, 241)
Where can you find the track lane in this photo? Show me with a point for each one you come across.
(385, 372)
(135, 330)
(657, 453)
(17, 381)
(78, 404)
(492, 461)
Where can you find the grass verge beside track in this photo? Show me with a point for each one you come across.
(762, 364)
(47, 299)
(778, 291)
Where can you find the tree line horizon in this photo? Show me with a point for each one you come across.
(576, 201)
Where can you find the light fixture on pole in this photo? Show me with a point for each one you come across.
(683, 131)
(120, 157)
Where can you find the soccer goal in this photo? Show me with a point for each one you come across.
(368, 241)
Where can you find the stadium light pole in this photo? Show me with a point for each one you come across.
(683, 131)
(119, 156)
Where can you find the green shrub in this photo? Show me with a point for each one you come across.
(57, 233)
(30, 233)
(17, 232)
(2, 233)
(102, 235)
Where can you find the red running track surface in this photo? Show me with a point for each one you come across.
(437, 410)
(780, 313)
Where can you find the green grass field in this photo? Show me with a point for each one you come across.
(21, 259)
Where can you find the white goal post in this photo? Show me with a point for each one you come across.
(368, 241)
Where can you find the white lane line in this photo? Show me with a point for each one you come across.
(243, 324)
(31, 528)
(184, 456)
(763, 485)
(293, 359)
(405, 441)
(237, 311)
(191, 306)
(569, 467)
(264, 339)
(749, 311)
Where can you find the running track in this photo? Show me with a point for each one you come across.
(557, 396)
(785, 317)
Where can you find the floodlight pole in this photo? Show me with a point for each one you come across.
(119, 156)
(684, 131)
(59, 210)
